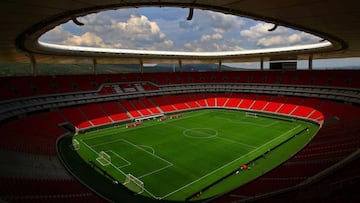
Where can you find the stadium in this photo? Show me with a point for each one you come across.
(104, 124)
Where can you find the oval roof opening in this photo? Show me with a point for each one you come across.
(175, 31)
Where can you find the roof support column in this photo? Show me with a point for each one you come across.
(220, 64)
(34, 71)
(94, 66)
(180, 65)
(262, 64)
(310, 62)
(141, 66)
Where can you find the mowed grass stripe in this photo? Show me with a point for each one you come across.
(190, 163)
(194, 158)
(209, 135)
(228, 164)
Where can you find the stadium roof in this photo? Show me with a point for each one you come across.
(23, 22)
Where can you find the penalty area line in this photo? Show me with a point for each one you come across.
(151, 194)
(152, 172)
(128, 163)
(142, 149)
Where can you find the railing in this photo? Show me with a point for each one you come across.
(17, 107)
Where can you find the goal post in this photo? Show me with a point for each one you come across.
(75, 144)
(251, 114)
(104, 159)
(134, 184)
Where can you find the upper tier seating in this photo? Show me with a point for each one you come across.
(43, 85)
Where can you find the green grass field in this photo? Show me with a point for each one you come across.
(177, 158)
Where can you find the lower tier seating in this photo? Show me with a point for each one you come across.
(38, 133)
(45, 190)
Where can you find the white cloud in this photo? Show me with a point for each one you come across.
(108, 30)
(188, 46)
(209, 44)
(215, 36)
(168, 43)
(58, 34)
(261, 30)
(203, 20)
(87, 39)
(261, 37)
(271, 41)
(205, 38)
(139, 31)
(309, 38)
(140, 26)
(294, 38)
(130, 29)
(287, 40)
(207, 31)
(218, 30)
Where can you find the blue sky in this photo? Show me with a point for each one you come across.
(166, 29)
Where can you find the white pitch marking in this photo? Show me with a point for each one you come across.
(227, 164)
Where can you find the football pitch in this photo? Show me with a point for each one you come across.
(179, 159)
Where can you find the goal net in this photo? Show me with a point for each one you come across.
(251, 114)
(104, 159)
(76, 144)
(134, 184)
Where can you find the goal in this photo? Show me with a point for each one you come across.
(251, 114)
(75, 144)
(104, 159)
(134, 184)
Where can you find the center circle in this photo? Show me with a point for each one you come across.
(200, 133)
